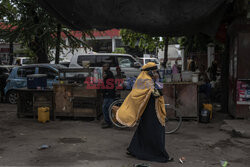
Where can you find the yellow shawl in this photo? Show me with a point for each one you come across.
(135, 103)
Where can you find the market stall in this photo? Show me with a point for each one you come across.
(184, 96)
(30, 99)
(239, 73)
(75, 100)
(73, 97)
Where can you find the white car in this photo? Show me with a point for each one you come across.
(144, 61)
(126, 62)
(22, 60)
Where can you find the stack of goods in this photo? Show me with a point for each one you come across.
(37, 81)
(243, 89)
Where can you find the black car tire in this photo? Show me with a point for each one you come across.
(12, 97)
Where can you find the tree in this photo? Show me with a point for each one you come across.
(120, 50)
(26, 22)
(143, 41)
(199, 42)
(147, 42)
(196, 42)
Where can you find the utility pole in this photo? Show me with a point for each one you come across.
(11, 53)
(165, 52)
(58, 36)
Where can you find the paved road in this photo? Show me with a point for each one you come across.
(84, 143)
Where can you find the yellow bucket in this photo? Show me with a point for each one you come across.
(43, 114)
(209, 107)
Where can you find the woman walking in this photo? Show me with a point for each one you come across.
(146, 103)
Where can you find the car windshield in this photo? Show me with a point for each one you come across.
(125, 62)
(26, 61)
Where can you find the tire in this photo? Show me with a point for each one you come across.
(112, 113)
(12, 97)
(173, 125)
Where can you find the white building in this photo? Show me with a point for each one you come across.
(106, 41)
(174, 53)
(5, 51)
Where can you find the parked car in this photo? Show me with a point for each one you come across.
(126, 62)
(144, 61)
(18, 78)
(5, 70)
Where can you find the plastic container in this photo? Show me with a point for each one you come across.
(204, 116)
(209, 107)
(186, 76)
(168, 70)
(177, 77)
(36, 81)
(195, 78)
(43, 114)
(169, 78)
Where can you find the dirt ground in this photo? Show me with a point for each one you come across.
(84, 143)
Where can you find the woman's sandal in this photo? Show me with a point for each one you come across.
(129, 153)
(170, 159)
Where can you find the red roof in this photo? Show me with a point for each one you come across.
(108, 33)
(4, 26)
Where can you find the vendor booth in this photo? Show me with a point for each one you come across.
(184, 96)
(239, 73)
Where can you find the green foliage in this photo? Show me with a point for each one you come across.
(143, 41)
(198, 43)
(195, 42)
(120, 50)
(24, 21)
(192, 43)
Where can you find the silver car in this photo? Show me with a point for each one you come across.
(126, 62)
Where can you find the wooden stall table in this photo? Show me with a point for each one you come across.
(30, 99)
(184, 96)
(75, 100)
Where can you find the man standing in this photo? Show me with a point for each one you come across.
(108, 94)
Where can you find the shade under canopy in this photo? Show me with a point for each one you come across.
(156, 17)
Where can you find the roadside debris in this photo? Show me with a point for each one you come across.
(182, 160)
(224, 163)
(43, 147)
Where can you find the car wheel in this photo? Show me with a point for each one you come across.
(12, 97)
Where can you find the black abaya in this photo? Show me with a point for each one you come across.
(148, 142)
